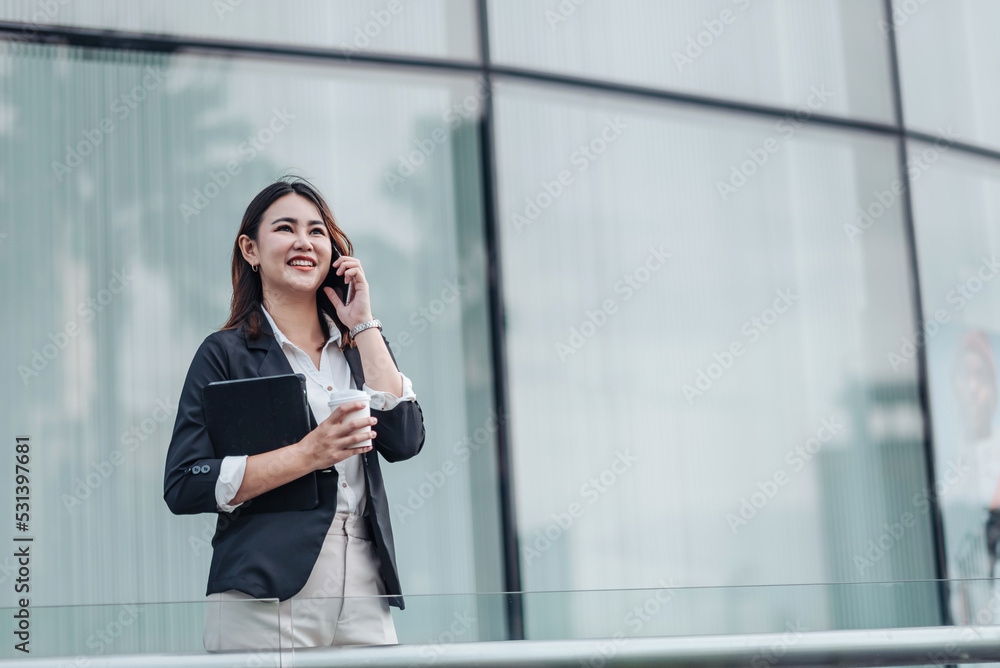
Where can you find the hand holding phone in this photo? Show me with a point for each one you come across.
(340, 284)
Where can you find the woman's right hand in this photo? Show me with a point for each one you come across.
(332, 440)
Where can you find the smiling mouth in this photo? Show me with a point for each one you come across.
(302, 266)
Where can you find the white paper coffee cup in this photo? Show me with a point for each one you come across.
(351, 396)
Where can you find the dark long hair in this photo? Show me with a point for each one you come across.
(248, 293)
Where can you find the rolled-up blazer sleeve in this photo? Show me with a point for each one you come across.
(192, 469)
(400, 430)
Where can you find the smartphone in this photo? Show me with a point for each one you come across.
(340, 284)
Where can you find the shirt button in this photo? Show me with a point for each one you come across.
(329, 388)
(343, 484)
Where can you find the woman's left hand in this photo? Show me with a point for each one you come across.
(359, 310)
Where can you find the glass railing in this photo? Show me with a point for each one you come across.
(797, 615)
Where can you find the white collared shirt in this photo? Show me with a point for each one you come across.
(333, 375)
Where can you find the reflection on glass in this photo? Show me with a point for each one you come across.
(778, 53)
(949, 62)
(699, 379)
(956, 203)
(434, 28)
(122, 270)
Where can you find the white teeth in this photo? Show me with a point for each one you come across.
(301, 263)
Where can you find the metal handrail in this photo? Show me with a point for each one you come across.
(940, 645)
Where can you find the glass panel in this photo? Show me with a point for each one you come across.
(824, 55)
(949, 61)
(123, 181)
(956, 204)
(431, 623)
(697, 346)
(89, 631)
(432, 28)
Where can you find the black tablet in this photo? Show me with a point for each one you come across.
(251, 416)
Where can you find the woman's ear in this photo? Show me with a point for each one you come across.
(248, 248)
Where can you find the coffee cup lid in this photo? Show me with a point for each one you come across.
(348, 395)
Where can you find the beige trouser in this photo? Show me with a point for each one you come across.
(335, 607)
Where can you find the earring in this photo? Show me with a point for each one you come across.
(254, 267)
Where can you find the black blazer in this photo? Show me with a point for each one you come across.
(270, 555)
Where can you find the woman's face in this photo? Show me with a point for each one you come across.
(292, 229)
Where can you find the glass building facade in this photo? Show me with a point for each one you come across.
(696, 296)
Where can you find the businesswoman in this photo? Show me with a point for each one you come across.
(327, 566)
